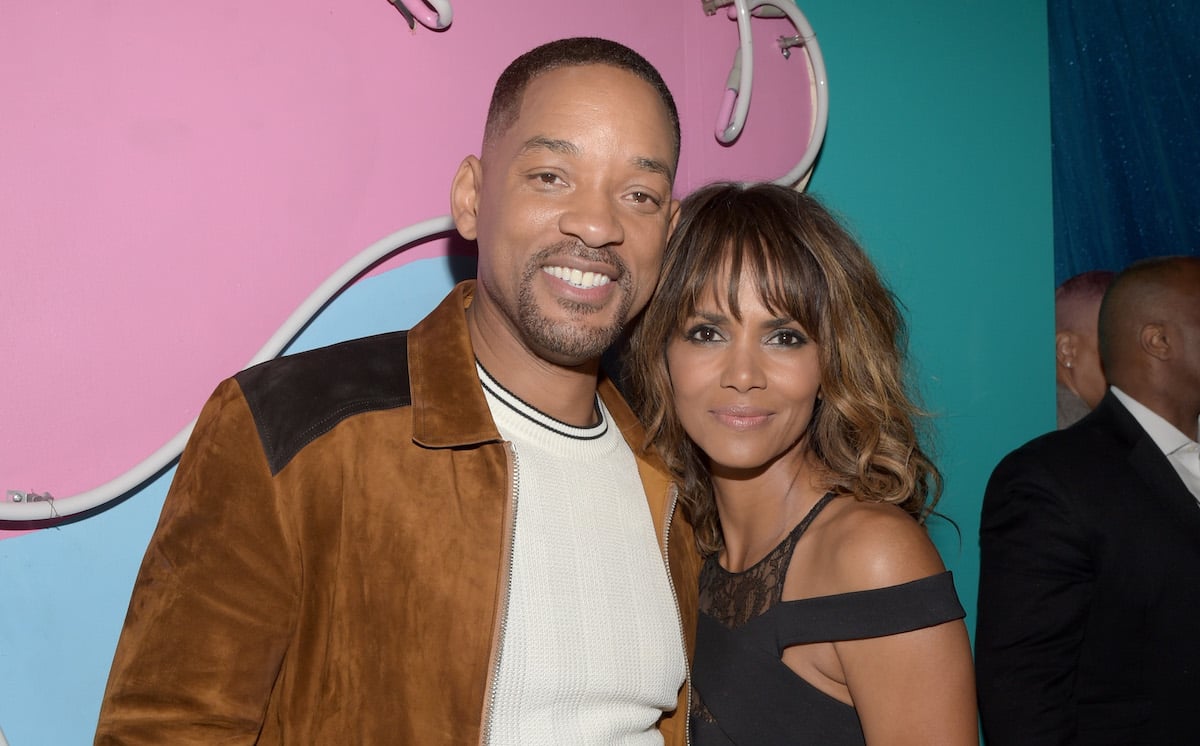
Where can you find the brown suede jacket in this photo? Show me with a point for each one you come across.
(331, 561)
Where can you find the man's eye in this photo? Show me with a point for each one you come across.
(548, 178)
(642, 198)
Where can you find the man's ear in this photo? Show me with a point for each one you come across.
(464, 197)
(673, 220)
(1154, 342)
(1065, 348)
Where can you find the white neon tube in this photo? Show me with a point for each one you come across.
(40, 510)
(808, 39)
(437, 18)
(743, 69)
(736, 103)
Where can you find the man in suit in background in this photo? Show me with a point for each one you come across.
(1077, 371)
(1089, 592)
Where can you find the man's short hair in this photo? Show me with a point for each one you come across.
(506, 96)
(1134, 292)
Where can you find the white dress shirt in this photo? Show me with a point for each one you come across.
(1180, 450)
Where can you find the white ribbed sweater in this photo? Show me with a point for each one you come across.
(592, 652)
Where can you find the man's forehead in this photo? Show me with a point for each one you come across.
(551, 110)
(603, 81)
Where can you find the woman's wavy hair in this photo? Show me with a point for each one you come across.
(864, 431)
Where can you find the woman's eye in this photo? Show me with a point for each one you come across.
(703, 333)
(788, 338)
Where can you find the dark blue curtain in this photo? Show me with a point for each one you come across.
(1125, 131)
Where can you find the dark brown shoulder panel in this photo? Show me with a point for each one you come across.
(297, 398)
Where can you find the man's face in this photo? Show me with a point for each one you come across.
(571, 208)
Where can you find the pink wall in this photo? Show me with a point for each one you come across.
(178, 177)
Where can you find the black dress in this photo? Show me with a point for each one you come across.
(742, 691)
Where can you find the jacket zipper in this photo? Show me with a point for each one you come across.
(502, 612)
(687, 668)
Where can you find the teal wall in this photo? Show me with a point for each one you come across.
(938, 155)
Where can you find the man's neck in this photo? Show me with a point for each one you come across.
(566, 393)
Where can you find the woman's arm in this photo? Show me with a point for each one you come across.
(913, 688)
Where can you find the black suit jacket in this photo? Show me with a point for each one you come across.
(1088, 628)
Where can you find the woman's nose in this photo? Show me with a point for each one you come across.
(743, 370)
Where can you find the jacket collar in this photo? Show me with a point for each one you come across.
(449, 408)
(1147, 459)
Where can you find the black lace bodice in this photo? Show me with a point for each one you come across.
(735, 598)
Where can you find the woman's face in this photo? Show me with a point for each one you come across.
(744, 390)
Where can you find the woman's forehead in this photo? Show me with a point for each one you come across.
(726, 293)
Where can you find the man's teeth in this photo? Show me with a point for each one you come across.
(579, 279)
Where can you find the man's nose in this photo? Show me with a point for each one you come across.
(592, 217)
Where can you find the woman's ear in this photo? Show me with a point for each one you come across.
(464, 197)
(1065, 348)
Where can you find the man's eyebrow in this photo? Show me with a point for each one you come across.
(566, 147)
(654, 166)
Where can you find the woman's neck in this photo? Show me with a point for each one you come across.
(758, 511)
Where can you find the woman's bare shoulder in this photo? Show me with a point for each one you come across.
(866, 545)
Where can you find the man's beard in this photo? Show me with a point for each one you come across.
(572, 343)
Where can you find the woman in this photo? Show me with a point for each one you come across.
(768, 368)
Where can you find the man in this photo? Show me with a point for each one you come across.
(444, 536)
(1079, 376)
(1090, 542)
